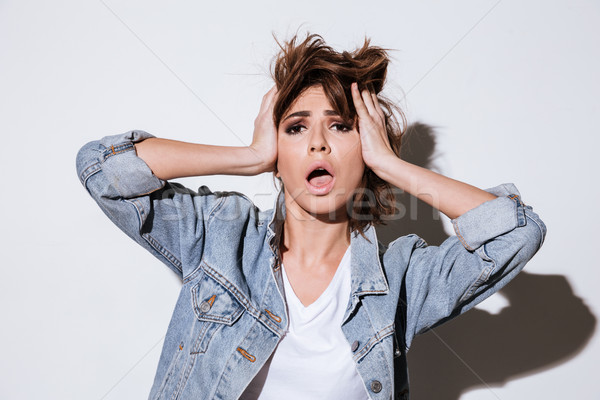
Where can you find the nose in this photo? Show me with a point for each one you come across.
(318, 142)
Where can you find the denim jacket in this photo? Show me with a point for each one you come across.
(231, 312)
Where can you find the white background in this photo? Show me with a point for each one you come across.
(510, 89)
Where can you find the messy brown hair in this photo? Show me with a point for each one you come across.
(301, 65)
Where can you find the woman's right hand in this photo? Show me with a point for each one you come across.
(264, 140)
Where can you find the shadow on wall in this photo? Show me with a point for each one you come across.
(544, 325)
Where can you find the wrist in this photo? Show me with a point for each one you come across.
(389, 167)
(258, 162)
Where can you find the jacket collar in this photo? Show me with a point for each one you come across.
(366, 270)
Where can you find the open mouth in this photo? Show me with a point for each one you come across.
(320, 178)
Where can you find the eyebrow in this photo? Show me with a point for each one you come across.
(308, 114)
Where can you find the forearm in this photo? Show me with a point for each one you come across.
(449, 196)
(170, 159)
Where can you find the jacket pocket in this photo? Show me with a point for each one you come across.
(214, 307)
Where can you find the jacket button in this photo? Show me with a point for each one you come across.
(354, 345)
(205, 306)
(376, 386)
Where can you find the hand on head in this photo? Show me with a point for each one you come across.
(374, 140)
(264, 140)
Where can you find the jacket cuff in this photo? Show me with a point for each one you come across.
(129, 175)
(491, 218)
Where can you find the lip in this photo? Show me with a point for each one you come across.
(319, 190)
(319, 164)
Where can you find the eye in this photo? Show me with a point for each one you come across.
(294, 129)
(341, 127)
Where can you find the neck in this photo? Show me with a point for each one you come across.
(312, 238)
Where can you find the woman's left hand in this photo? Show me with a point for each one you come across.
(375, 144)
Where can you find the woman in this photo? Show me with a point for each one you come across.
(302, 301)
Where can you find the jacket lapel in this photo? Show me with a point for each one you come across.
(366, 270)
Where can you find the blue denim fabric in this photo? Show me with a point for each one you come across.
(231, 313)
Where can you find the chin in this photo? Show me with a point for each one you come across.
(331, 206)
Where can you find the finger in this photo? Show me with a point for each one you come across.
(272, 96)
(359, 104)
(273, 91)
(264, 101)
(378, 107)
(381, 115)
(268, 99)
(366, 96)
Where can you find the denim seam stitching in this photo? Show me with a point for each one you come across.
(197, 348)
(229, 320)
(362, 292)
(149, 239)
(184, 378)
(192, 275)
(114, 150)
(213, 211)
(198, 268)
(460, 237)
(378, 337)
(483, 277)
(391, 370)
(89, 171)
(165, 253)
(168, 374)
(520, 211)
(231, 288)
(276, 329)
(542, 230)
(206, 337)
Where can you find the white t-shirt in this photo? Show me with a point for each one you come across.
(313, 360)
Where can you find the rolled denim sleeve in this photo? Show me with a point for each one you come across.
(115, 156)
(492, 218)
(493, 242)
(166, 218)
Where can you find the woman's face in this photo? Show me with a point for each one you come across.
(311, 136)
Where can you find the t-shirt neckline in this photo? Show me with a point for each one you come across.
(326, 294)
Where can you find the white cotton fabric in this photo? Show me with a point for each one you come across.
(313, 360)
